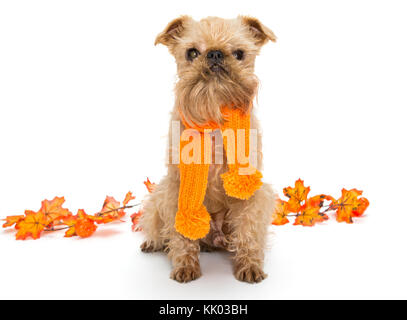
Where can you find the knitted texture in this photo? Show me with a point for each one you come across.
(241, 181)
(192, 219)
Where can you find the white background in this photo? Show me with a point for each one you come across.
(84, 108)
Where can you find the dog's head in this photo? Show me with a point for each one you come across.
(215, 59)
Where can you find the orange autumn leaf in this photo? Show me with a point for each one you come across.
(81, 225)
(150, 185)
(71, 223)
(135, 220)
(281, 213)
(296, 196)
(12, 220)
(349, 205)
(111, 207)
(128, 198)
(84, 226)
(32, 225)
(136, 216)
(53, 217)
(53, 210)
(103, 219)
(310, 212)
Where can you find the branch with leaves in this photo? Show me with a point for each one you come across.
(136, 216)
(309, 211)
(53, 217)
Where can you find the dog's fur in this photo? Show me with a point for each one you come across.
(239, 226)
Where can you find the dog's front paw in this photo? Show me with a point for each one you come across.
(147, 247)
(186, 273)
(250, 274)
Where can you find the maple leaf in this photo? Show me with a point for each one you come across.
(361, 207)
(281, 213)
(81, 224)
(32, 225)
(296, 195)
(102, 218)
(85, 228)
(128, 198)
(52, 214)
(135, 220)
(150, 185)
(310, 212)
(11, 220)
(53, 210)
(349, 205)
(111, 208)
(84, 225)
(71, 223)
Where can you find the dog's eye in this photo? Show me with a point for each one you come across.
(192, 54)
(238, 54)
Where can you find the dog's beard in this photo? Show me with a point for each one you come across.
(200, 97)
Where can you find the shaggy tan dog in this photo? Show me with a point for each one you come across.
(239, 226)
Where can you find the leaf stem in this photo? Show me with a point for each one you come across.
(53, 229)
(98, 214)
(117, 209)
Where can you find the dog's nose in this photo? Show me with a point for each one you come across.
(215, 56)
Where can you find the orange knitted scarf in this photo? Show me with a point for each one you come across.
(241, 181)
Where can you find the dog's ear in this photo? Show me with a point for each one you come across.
(173, 31)
(260, 33)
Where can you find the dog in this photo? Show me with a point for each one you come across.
(215, 65)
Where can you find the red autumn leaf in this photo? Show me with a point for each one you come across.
(32, 225)
(296, 196)
(11, 220)
(150, 185)
(281, 213)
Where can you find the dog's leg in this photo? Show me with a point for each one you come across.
(151, 225)
(157, 222)
(159, 209)
(152, 246)
(249, 221)
(184, 254)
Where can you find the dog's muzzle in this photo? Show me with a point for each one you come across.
(215, 60)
